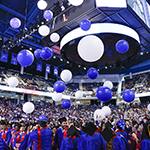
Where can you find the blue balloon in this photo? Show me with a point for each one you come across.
(85, 25)
(48, 14)
(37, 53)
(104, 93)
(25, 58)
(42, 118)
(46, 53)
(122, 46)
(15, 23)
(92, 73)
(66, 104)
(59, 86)
(128, 95)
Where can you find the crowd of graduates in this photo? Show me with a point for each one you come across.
(55, 128)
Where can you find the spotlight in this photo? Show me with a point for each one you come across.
(141, 53)
(67, 62)
(106, 67)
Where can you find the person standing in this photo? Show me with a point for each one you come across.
(5, 133)
(42, 135)
(21, 139)
(60, 133)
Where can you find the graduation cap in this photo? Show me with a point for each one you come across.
(109, 125)
(90, 128)
(61, 120)
(18, 125)
(3, 122)
(71, 131)
(108, 134)
(120, 123)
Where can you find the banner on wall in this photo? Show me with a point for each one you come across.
(111, 3)
(48, 68)
(39, 66)
(14, 59)
(55, 71)
(4, 56)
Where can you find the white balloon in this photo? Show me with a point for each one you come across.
(106, 110)
(90, 48)
(57, 96)
(12, 81)
(54, 37)
(108, 84)
(148, 107)
(66, 75)
(28, 107)
(99, 115)
(42, 4)
(78, 94)
(76, 2)
(44, 30)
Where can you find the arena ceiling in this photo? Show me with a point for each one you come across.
(30, 16)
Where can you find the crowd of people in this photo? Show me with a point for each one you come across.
(53, 127)
(95, 85)
(139, 83)
(27, 81)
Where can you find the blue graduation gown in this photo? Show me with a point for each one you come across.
(3, 145)
(23, 144)
(145, 144)
(87, 142)
(46, 139)
(30, 142)
(120, 143)
(8, 137)
(72, 146)
(58, 138)
(123, 134)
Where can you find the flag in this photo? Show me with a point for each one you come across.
(39, 66)
(14, 59)
(55, 71)
(48, 68)
(4, 56)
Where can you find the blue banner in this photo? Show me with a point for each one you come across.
(55, 71)
(48, 68)
(14, 59)
(39, 66)
(4, 56)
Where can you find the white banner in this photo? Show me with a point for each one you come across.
(111, 3)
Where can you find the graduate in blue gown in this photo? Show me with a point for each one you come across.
(3, 145)
(14, 133)
(114, 141)
(145, 138)
(21, 139)
(5, 133)
(42, 136)
(91, 140)
(70, 142)
(60, 133)
(120, 129)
